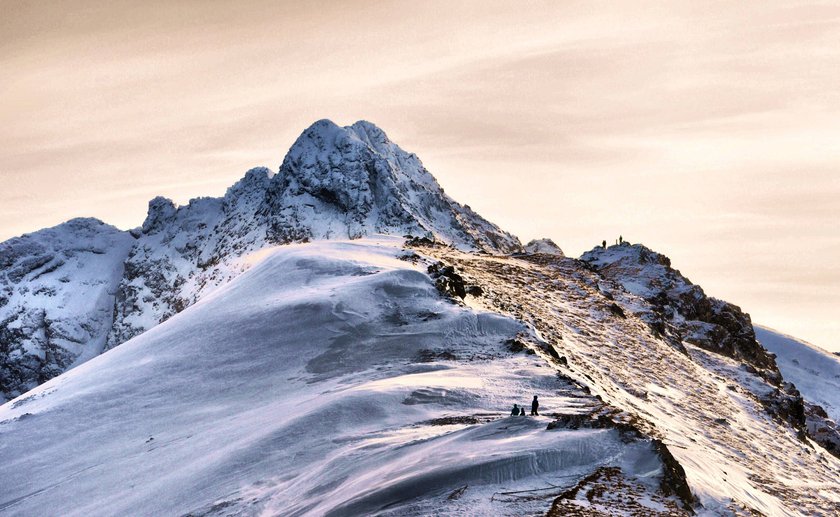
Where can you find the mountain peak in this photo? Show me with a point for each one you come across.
(161, 211)
(353, 181)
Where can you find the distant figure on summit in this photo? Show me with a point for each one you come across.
(535, 405)
(522, 411)
(620, 240)
(604, 244)
(515, 410)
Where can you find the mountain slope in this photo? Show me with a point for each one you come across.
(332, 378)
(714, 412)
(816, 375)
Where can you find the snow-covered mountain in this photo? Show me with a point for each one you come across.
(334, 183)
(57, 292)
(342, 338)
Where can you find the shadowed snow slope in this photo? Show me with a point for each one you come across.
(331, 378)
(815, 372)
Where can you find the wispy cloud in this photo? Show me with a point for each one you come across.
(707, 130)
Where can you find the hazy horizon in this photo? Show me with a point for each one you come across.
(708, 132)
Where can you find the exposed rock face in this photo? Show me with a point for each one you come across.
(334, 183)
(544, 246)
(57, 290)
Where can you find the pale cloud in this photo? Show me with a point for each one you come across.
(707, 130)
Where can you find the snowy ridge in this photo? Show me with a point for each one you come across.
(680, 309)
(341, 383)
(816, 375)
(814, 371)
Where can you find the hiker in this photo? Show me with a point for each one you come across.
(522, 411)
(535, 405)
(620, 240)
(604, 244)
(515, 410)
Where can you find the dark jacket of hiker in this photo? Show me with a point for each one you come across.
(535, 406)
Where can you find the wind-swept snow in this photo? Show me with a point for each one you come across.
(331, 378)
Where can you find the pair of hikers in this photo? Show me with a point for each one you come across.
(520, 411)
(620, 241)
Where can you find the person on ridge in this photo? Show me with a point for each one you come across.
(535, 405)
(522, 411)
(515, 410)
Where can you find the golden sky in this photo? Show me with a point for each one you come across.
(710, 131)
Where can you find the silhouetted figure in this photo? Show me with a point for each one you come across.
(522, 411)
(620, 239)
(604, 244)
(515, 410)
(535, 405)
